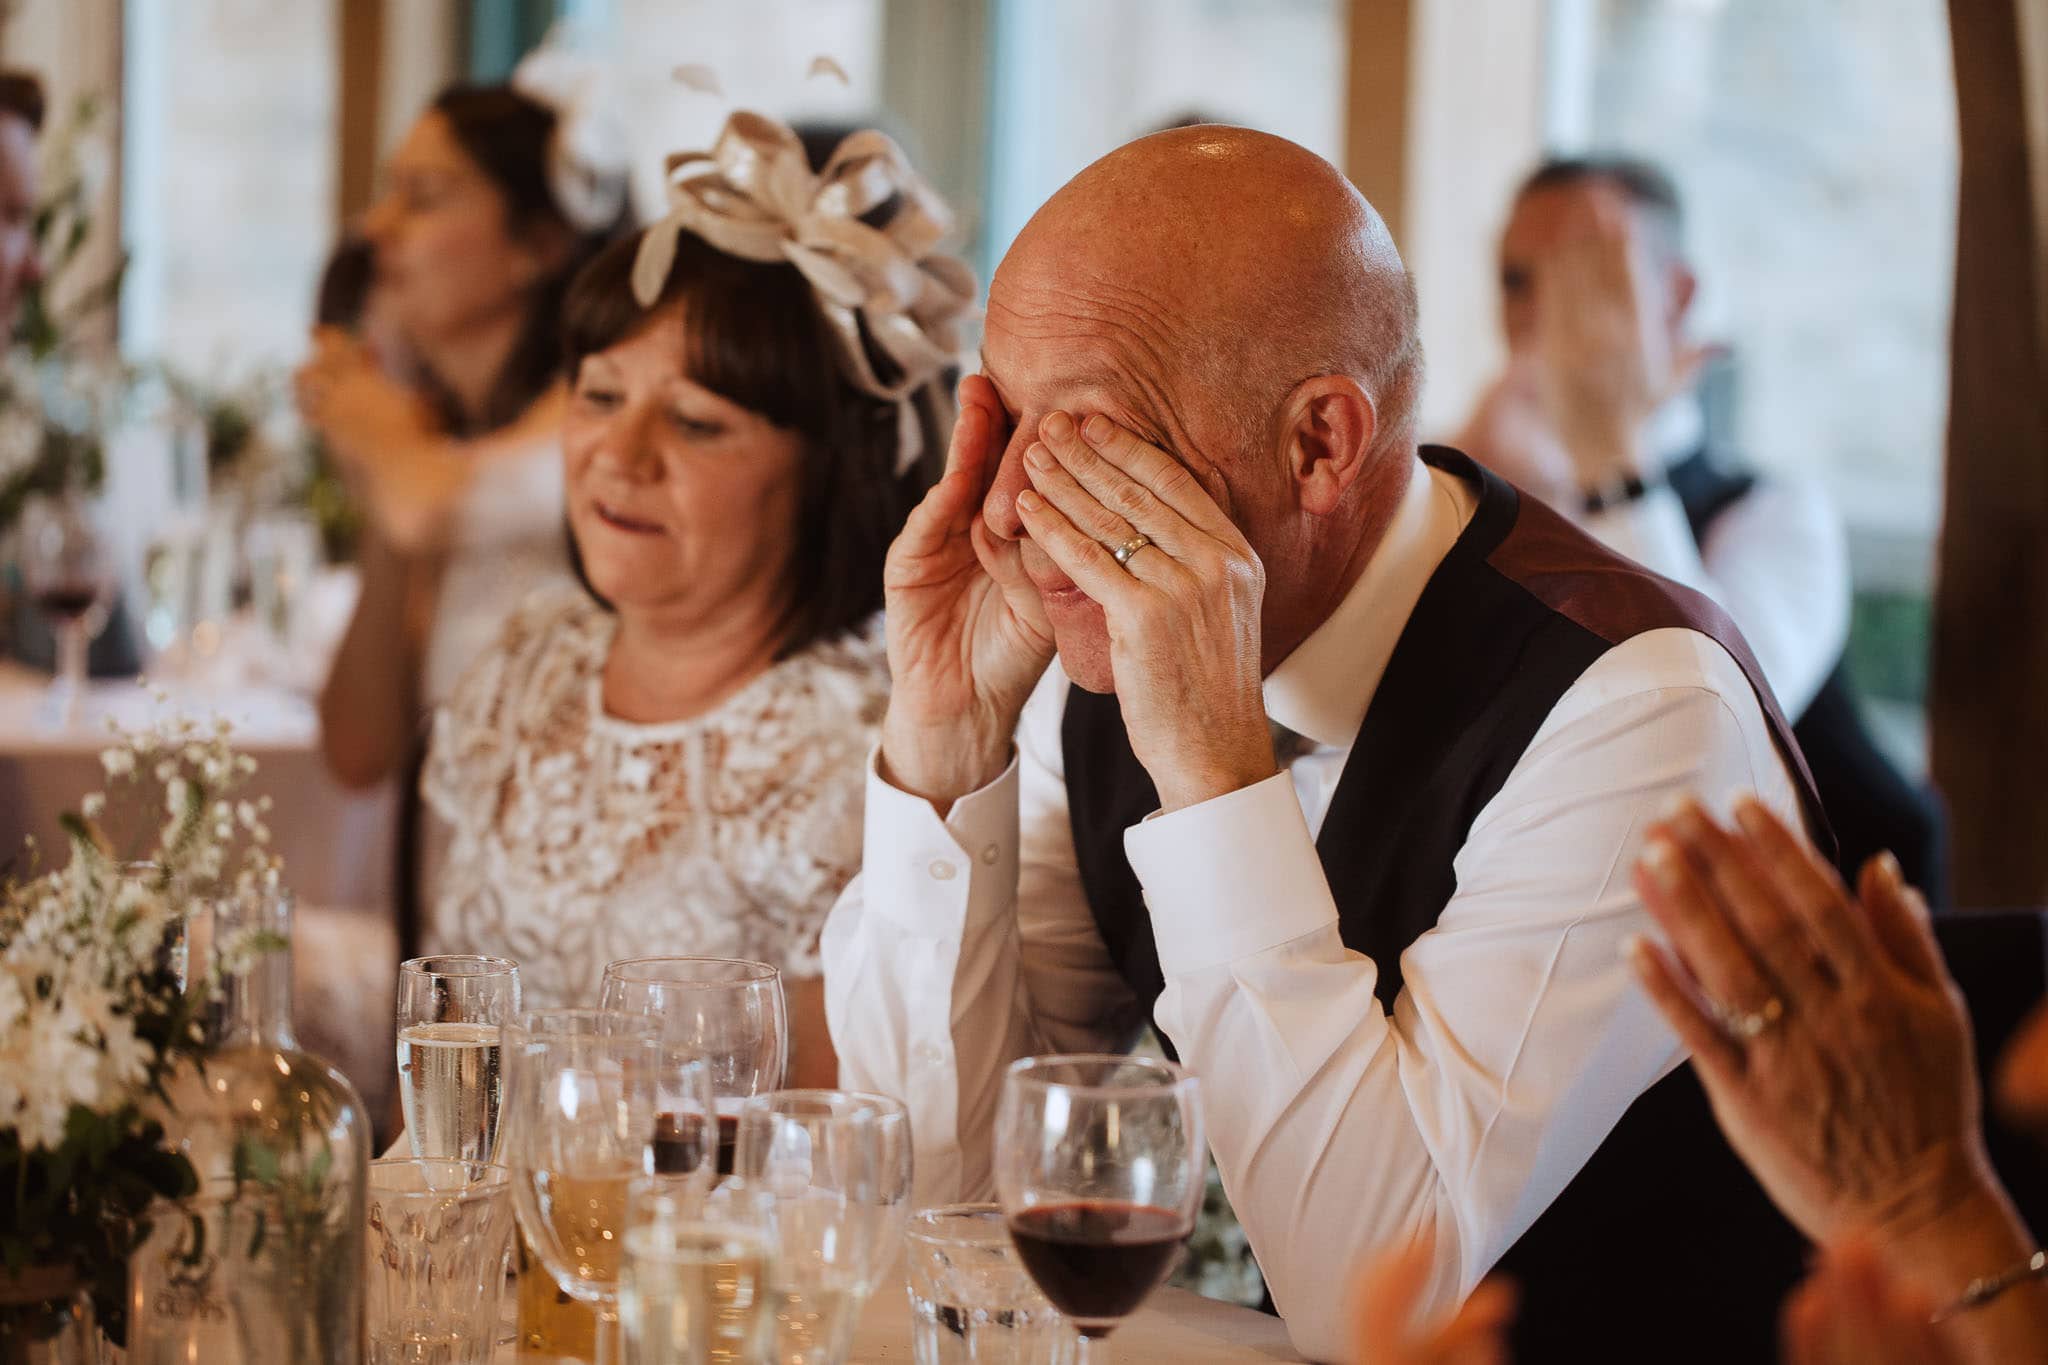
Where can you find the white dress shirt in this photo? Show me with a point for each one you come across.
(1518, 1038)
(1776, 560)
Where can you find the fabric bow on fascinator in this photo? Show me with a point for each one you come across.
(753, 195)
(590, 155)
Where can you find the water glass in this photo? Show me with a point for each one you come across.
(694, 1286)
(728, 1011)
(438, 1233)
(829, 1172)
(971, 1300)
(450, 1012)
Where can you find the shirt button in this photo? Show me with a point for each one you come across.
(941, 870)
(926, 1055)
(990, 854)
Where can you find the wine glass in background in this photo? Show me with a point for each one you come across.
(694, 1283)
(69, 576)
(1099, 1166)
(282, 549)
(829, 1173)
(728, 1011)
(579, 1128)
(450, 1012)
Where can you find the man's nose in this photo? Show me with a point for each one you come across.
(999, 508)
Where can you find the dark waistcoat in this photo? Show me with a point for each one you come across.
(1662, 1247)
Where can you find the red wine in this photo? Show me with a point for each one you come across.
(67, 601)
(1097, 1259)
(728, 1141)
(679, 1143)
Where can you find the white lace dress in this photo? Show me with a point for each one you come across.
(571, 839)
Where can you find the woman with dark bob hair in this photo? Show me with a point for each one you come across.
(670, 761)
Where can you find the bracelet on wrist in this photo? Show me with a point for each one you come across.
(1985, 1288)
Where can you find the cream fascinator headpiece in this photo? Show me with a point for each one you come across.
(590, 155)
(864, 232)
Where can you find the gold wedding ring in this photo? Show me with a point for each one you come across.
(1123, 552)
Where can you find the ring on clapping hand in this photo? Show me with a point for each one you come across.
(1122, 554)
(1746, 1025)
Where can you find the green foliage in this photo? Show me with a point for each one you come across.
(1890, 634)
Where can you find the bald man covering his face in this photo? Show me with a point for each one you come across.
(1342, 763)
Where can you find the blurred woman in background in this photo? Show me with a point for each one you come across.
(493, 201)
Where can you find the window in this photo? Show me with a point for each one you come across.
(1814, 142)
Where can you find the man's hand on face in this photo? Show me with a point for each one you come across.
(1182, 612)
(1605, 354)
(968, 637)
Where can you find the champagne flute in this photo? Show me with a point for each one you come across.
(451, 1010)
(1099, 1166)
(694, 1284)
(728, 1011)
(70, 577)
(579, 1128)
(829, 1172)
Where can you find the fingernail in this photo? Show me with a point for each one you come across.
(1750, 814)
(1661, 858)
(1097, 428)
(1028, 501)
(1889, 869)
(1058, 426)
(1675, 807)
(1038, 457)
(1635, 949)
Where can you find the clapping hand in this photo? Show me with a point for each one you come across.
(1385, 1329)
(1182, 608)
(1831, 1041)
(968, 637)
(1606, 359)
(384, 437)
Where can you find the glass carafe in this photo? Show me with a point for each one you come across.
(263, 1264)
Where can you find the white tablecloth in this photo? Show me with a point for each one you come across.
(1174, 1327)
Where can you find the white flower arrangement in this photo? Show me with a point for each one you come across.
(95, 1008)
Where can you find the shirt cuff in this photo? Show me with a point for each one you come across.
(916, 869)
(1230, 877)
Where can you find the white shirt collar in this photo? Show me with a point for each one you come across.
(1322, 689)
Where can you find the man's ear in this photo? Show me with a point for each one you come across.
(1331, 424)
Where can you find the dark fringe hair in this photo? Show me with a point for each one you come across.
(755, 336)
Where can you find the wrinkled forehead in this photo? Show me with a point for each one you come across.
(1085, 339)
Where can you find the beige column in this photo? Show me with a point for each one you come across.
(1989, 712)
(1444, 107)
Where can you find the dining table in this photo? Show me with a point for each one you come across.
(1175, 1327)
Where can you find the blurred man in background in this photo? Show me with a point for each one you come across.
(1598, 413)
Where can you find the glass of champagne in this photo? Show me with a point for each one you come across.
(728, 1011)
(579, 1128)
(450, 1013)
(828, 1172)
(694, 1284)
(1099, 1166)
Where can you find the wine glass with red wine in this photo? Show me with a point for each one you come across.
(69, 576)
(729, 1012)
(1099, 1165)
